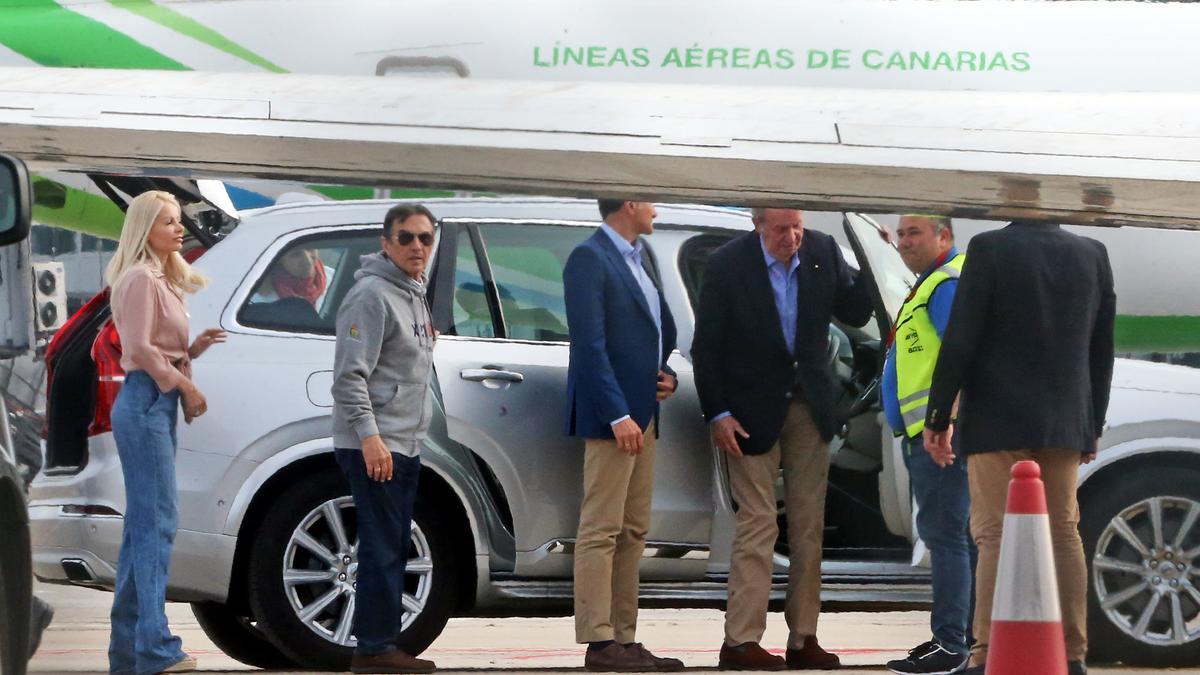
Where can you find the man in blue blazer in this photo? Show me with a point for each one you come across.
(621, 335)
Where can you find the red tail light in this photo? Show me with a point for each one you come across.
(65, 336)
(106, 353)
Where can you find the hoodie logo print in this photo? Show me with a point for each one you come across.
(354, 334)
(420, 330)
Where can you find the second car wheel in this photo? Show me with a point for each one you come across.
(1141, 533)
(238, 636)
(303, 571)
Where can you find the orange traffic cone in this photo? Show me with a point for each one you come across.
(1027, 633)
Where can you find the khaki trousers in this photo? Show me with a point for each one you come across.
(989, 475)
(804, 457)
(613, 520)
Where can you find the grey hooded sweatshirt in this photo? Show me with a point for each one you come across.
(383, 361)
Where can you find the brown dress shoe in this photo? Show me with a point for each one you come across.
(749, 656)
(615, 658)
(662, 664)
(812, 657)
(395, 661)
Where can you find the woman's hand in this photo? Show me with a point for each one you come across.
(205, 340)
(194, 403)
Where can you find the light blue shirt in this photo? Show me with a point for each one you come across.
(632, 254)
(785, 285)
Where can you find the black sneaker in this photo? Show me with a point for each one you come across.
(929, 658)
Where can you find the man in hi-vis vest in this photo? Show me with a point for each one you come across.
(926, 244)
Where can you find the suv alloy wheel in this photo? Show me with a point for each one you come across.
(303, 567)
(1141, 529)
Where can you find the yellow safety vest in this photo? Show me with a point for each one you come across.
(917, 347)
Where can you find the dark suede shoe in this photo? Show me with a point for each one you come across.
(812, 657)
(749, 656)
(662, 664)
(395, 661)
(615, 658)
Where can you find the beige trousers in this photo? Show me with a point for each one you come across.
(613, 520)
(989, 474)
(804, 458)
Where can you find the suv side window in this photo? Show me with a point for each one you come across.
(302, 288)
(526, 266)
(470, 315)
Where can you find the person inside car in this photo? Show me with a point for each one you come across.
(299, 273)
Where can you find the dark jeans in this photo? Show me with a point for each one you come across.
(384, 511)
(943, 523)
(143, 422)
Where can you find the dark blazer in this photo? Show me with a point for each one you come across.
(1030, 342)
(614, 360)
(739, 354)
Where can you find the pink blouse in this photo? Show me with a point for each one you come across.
(152, 322)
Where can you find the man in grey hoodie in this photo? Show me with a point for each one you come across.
(382, 406)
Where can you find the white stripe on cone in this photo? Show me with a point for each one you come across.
(1026, 586)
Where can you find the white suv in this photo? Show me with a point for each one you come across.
(266, 543)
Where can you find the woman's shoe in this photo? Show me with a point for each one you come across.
(185, 665)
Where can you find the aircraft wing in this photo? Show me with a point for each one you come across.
(1113, 158)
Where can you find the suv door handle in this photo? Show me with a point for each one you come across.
(482, 374)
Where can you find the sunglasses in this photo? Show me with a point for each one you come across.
(404, 238)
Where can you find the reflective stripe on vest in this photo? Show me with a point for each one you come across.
(917, 346)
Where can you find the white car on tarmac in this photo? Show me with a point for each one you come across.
(266, 545)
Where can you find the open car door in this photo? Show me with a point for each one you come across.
(16, 282)
(16, 336)
(889, 282)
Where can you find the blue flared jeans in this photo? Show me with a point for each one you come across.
(143, 421)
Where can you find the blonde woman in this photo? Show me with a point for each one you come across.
(149, 280)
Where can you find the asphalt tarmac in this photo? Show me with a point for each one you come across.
(77, 640)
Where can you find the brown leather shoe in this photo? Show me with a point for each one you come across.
(663, 664)
(615, 658)
(812, 657)
(395, 661)
(749, 656)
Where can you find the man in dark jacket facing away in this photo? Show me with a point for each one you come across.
(1030, 347)
(761, 361)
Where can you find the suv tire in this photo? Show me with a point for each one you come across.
(1125, 505)
(234, 635)
(302, 514)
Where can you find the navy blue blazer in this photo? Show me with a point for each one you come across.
(614, 345)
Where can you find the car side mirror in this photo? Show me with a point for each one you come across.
(16, 199)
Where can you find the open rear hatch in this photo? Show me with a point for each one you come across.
(80, 388)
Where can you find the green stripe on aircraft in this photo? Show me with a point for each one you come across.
(1167, 334)
(66, 207)
(50, 35)
(169, 18)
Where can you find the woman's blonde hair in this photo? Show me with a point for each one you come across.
(133, 249)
